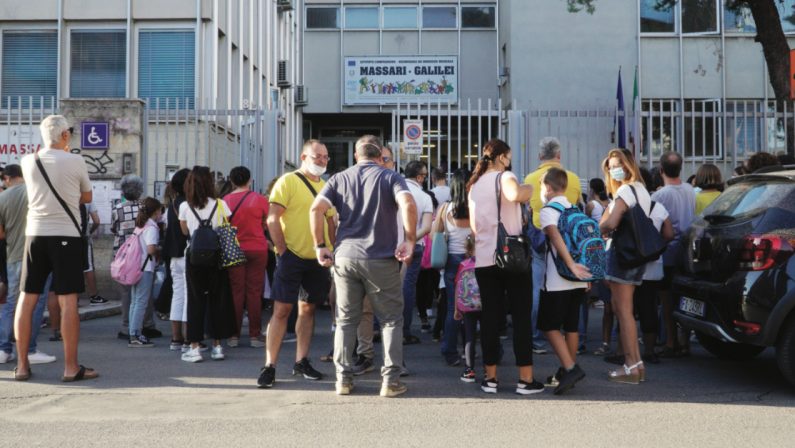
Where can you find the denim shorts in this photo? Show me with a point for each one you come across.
(617, 274)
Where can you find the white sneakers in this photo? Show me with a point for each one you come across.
(36, 357)
(192, 355)
(217, 353)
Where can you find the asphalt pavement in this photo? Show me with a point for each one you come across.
(149, 397)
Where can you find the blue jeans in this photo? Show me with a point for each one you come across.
(539, 272)
(8, 310)
(140, 296)
(410, 289)
(451, 326)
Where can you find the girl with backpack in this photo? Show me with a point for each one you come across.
(467, 307)
(147, 235)
(199, 216)
(625, 184)
(453, 221)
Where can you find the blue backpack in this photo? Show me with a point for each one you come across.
(583, 241)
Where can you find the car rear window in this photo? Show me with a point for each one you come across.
(752, 197)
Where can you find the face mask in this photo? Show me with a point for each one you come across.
(315, 170)
(617, 174)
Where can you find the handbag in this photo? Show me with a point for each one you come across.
(439, 243)
(513, 251)
(231, 253)
(636, 240)
(83, 237)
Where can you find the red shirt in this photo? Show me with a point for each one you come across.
(248, 219)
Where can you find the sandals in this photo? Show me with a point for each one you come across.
(22, 376)
(84, 373)
(625, 375)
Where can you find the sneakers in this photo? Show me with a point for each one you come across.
(217, 353)
(176, 345)
(539, 349)
(185, 347)
(569, 379)
(391, 390)
(233, 342)
(257, 342)
(603, 350)
(203, 347)
(152, 333)
(303, 367)
(525, 388)
(97, 300)
(289, 337)
(140, 341)
(362, 366)
(453, 360)
(554, 380)
(192, 355)
(489, 385)
(38, 357)
(6, 357)
(468, 376)
(343, 388)
(267, 376)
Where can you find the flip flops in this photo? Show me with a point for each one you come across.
(83, 374)
(22, 376)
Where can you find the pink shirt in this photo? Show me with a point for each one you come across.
(483, 215)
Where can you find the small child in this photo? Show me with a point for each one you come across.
(560, 298)
(471, 318)
(149, 213)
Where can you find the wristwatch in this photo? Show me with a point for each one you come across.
(320, 246)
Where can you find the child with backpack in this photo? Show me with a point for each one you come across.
(468, 308)
(147, 237)
(575, 255)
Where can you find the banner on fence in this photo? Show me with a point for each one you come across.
(400, 79)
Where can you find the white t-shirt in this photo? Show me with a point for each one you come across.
(442, 193)
(149, 237)
(597, 211)
(424, 205)
(554, 282)
(185, 214)
(625, 193)
(654, 269)
(68, 174)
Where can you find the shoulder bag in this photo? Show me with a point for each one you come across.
(84, 238)
(231, 253)
(513, 251)
(636, 240)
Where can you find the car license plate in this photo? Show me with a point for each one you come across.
(692, 306)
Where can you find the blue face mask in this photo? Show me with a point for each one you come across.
(617, 174)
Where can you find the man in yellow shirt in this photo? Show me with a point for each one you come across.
(296, 265)
(549, 157)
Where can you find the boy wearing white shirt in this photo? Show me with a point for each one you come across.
(560, 300)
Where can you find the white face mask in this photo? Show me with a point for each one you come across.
(315, 170)
(617, 174)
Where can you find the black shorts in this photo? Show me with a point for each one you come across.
(293, 272)
(60, 255)
(665, 283)
(560, 309)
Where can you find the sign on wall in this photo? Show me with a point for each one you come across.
(412, 137)
(94, 135)
(16, 141)
(400, 79)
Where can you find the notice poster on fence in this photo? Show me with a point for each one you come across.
(400, 79)
(16, 141)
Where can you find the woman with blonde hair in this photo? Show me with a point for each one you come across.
(625, 184)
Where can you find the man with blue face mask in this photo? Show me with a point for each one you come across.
(549, 157)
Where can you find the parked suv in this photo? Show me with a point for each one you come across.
(737, 284)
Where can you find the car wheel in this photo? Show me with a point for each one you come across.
(728, 350)
(785, 350)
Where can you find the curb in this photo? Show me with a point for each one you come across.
(88, 312)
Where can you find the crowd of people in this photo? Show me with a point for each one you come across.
(491, 250)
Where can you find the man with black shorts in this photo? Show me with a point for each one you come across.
(57, 183)
(296, 266)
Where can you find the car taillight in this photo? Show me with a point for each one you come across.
(761, 252)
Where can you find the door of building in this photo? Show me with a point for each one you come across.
(340, 153)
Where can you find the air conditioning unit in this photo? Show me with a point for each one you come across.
(284, 5)
(282, 80)
(301, 96)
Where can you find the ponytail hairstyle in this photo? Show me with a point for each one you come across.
(146, 209)
(598, 187)
(493, 149)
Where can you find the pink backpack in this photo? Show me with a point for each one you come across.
(467, 292)
(127, 267)
(425, 263)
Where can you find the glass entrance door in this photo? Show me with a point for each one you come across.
(340, 153)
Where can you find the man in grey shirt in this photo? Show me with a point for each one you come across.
(679, 199)
(367, 198)
(13, 217)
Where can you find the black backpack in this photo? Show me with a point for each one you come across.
(204, 248)
(636, 240)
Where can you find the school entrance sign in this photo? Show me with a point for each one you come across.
(389, 80)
